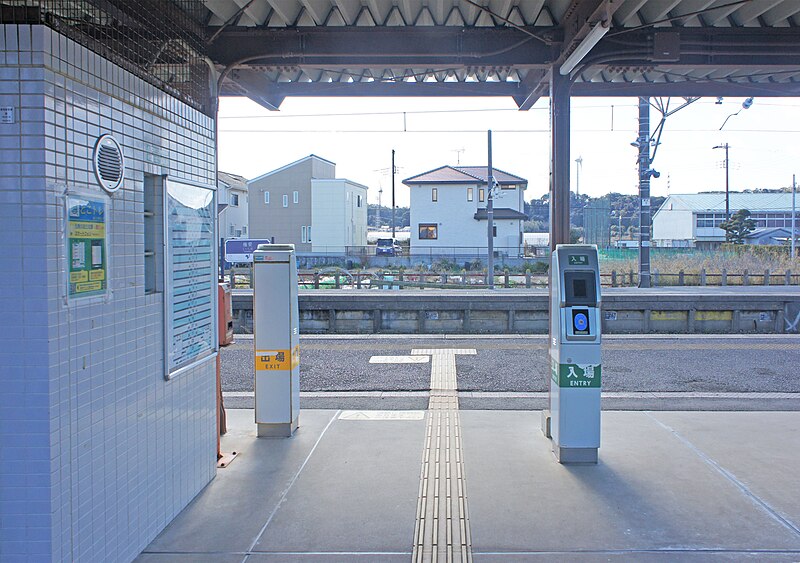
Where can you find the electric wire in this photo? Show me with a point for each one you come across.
(680, 17)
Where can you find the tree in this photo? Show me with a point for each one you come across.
(738, 226)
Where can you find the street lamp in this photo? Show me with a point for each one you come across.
(726, 146)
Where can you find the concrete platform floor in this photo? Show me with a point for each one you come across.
(670, 486)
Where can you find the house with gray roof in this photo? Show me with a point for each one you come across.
(448, 211)
(693, 220)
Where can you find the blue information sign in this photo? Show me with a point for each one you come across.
(240, 250)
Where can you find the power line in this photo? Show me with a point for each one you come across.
(507, 131)
(412, 112)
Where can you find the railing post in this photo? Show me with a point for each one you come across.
(766, 277)
(464, 276)
(358, 280)
(680, 277)
(316, 280)
(655, 278)
(444, 278)
(724, 278)
(336, 280)
(233, 279)
(613, 278)
(528, 278)
(788, 275)
(703, 276)
(630, 277)
(746, 278)
(505, 282)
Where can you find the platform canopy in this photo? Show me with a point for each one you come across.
(268, 50)
(273, 49)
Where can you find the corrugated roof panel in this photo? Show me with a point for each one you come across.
(716, 201)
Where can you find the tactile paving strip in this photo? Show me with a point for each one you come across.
(442, 529)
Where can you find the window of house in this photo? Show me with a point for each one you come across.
(358, 201)
(470, 194)
(285, 200)
(308, 233)
(481, 194)
(266, 198)
(508, 186)
(238, 232)
(428, 231)
(234, 200)
(230, 230)
(494, 230)
(295, 197)
(244, 230)
(303, 234)
(434, 194)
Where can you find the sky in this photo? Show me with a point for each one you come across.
(358, 134)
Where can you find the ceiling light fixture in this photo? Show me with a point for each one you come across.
(587, 44)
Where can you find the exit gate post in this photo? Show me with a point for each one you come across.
(573, 421)
(276, 340)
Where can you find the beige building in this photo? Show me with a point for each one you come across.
(303, 203)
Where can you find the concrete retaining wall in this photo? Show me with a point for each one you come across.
(634, 311)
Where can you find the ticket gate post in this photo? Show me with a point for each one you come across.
(276, 339)
(573, 421)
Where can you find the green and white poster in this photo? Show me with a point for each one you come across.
(87, 246)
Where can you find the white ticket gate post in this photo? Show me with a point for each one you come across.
(276, 328)
(574, 417)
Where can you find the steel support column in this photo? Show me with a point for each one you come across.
(559, 158)
(644, 191)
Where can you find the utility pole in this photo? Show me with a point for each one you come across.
(794, 196)
(726, 146)
(394, 170)
(490, 215)
(644, 191)
(579, 165)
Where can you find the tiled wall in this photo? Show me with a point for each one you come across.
(98, 452)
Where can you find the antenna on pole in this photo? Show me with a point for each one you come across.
(578, 167)
(458, 155)
(394, 171)
(490, 216)
(794, 212)
(380, 197)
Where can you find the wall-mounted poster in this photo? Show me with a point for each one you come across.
(191, 285)
(87, 268)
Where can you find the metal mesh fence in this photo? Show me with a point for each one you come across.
(158, 40)
(596, 226)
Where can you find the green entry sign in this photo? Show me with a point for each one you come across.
(86, 247)
(573, 375)
(578, 259)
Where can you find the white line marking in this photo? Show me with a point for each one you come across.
(754, 498)
(288, 488)
(399, 359)
(382, 415)
(534, 395)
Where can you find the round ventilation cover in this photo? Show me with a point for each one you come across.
(109, 164)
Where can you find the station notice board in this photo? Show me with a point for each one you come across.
(87, 248)
(190, 296)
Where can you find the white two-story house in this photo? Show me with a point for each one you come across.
(448, 211)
